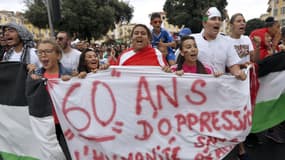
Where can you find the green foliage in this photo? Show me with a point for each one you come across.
(37, 13)
(189, 13)
(122, 11)
(253, 24)
(86, 18)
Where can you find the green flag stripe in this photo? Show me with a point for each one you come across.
(268, 114)
(10, 156)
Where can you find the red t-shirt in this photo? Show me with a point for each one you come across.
(191, 69)
(50, 76)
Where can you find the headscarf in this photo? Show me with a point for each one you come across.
(26, 37)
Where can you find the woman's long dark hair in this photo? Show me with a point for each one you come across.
(82, 66)
(180, 59)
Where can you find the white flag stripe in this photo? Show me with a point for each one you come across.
(24, 135)
(44, 130)
(16, 134)
(271, 87)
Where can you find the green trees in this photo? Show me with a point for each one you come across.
(86, 18)
(37, 13)
(189, 12)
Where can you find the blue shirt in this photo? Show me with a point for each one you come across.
(164, 36)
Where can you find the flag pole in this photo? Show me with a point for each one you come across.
(49, 18)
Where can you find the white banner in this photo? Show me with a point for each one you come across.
(138, 113)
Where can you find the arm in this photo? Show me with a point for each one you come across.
(168, 40)
(237, 72)
(255, 54)
(275, 41)
(168, 44)
(31, 68)
(66, 77)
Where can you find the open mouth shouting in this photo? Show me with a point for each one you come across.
(10, 41)
(45, 62)
(93, 64)
(192, 56)
(242, 29)
(216, 28)
(139, 41)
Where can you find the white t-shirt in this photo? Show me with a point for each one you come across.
(16, 57)
(243, 46)
(217, 53)
(70, 60)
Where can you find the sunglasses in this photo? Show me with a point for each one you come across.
(156, 22)
(59, 38)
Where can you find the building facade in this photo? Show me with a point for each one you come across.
(276, 8)
(10, 16)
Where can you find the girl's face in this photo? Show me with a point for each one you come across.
(239, 24)
(267, 39)
(140, 38)
(48, 56)
(91, 60)
(189, 51)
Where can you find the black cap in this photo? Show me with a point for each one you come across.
(269, 20)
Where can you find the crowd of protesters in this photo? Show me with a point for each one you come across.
(207, 52)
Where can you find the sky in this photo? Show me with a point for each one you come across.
(142, 8)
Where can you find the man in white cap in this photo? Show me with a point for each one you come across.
(214, 49)
(217, 52)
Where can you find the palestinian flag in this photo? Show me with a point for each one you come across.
(270, 102)
(27, 129)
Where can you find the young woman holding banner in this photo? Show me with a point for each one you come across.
(88, 62)
(187, 61)
(49, 54)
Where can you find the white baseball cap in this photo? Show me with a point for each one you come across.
(213, 12)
